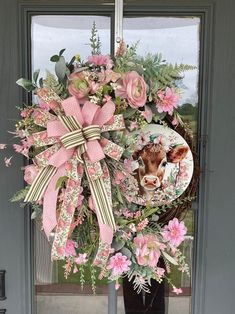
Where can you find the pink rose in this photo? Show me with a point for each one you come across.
(79, 86)
(30, 173)
(148, 249)
(133, 88)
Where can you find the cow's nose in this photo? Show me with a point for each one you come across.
(151, 182)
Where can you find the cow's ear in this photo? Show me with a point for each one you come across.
(177, 153)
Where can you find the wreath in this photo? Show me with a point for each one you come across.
(111, 163)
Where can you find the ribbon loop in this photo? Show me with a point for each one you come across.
(73, 139)
(92, 132)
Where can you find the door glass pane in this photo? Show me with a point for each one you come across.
(53, 293)
(177, 39)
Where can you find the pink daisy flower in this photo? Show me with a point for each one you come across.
(167, 100)
(174, 232)
(119, 264)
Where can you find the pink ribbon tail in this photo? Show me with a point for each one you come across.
(49, 203)
(106, 233)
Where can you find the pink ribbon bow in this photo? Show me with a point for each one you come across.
(86, 116)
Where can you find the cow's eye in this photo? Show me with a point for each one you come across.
(164, 164)
(141, 162)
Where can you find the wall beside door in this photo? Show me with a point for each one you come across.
(12, 219)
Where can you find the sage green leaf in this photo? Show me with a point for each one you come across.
(55, 58)
(126, 252)
(61, 52)
(60, 68)
(119, 195)
(35, 75)
(129, 112)
(169, 258)
(26, 84)
(117, 245)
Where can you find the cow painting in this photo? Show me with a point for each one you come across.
(152, 161)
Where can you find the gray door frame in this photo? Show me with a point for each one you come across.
(213, 264)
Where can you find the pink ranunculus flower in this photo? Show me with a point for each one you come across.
(79, 86)
(133, 88)
(148, 249)
(174, 232)
(119, 264)
(167, 100)
(30, 173)
(101, 60)
(70, 248)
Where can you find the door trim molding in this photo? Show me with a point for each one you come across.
(206, 13)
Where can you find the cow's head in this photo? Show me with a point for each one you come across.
(152, 160)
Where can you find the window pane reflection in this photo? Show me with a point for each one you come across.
(55, 294)
(177, 39)
(51, 33)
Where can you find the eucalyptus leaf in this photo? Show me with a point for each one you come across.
(119, 195)
(169, 258)
(35, 75)
(55, 58)
(129, 112)
(118, 245)
(71, 61)
(26, 84)
(60, 68)
(61, 52)
(41, 82)
(126, 252)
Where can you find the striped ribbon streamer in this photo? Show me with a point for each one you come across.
(78, 137)
(40, 184)
(102, 203)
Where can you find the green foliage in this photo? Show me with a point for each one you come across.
(37, 210)
(26, 84)
(61, 69)
(187, 110)
(51, 82)
(129, 61)
(160, 75)
(20, 195)
(61, 182)
(56, 58)
(95, 41)
(35, 76)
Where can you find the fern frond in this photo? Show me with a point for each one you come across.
(20, 195)
(51, 82)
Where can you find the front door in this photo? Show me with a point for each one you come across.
(191, 32)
